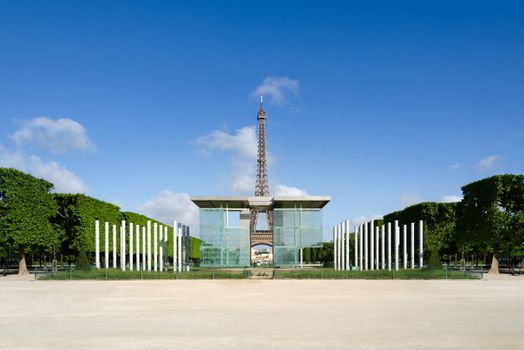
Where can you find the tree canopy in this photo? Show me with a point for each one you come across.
(25, 210)
(492, 213)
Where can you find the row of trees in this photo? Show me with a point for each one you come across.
(34, 220)
(488, 221)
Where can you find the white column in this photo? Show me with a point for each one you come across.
(341, 245)
(347, 245)
(186, 248)
(175, 230)
(155, 246)
(166, 247)
(383, 255)
(397, 236)
(366, 261)
(160, 247)
(421, 243)
(335, 257)
(97, 243)
(389, 246)
(361, 250)
(412, 245)
(114, 246)
(148, 245)
(106, 245)
(179, 246)
(377, 245)
(123, 245)
(137, 239)
(301, 257)
(131, 233)
(144, 250)
(372, 245)
(355, 235)
(405, 245)
(338, 247)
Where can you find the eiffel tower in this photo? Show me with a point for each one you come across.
(262, 186)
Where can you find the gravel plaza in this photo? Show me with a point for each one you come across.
(262, 314)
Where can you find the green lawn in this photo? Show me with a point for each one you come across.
(379, 274)
(115, 274)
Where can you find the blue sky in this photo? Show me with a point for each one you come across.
(378, 104)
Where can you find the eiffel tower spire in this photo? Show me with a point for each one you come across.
(262, 186)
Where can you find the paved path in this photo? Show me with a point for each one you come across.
(259, 314)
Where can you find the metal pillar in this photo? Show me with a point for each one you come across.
(137, 239)
(366, 261)
(397, 236)
(405, 245)
(361, 248)
(144, 249)
(114, 246)
(389, 246)
(377, 245)
(160, 248)
(97, 244)
(334, 248)
(340, 247)
(412, 245)
(372, 245)
(106, 245)
(179, 246)
(355, 235)
(166, 247)
(346, 232)
(131, 233)
(421, 244)
(123, 245)
(155, 246)
(175, 251)
(148, 245)
(383, 255)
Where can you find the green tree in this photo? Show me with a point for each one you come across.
(25, 209)
(439, 227)
(492, 213)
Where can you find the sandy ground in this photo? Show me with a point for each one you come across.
(262, 314)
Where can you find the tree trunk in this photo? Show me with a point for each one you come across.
(494, 269)
(22, 267)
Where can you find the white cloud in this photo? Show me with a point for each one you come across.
(57, 136)
(487, 163)
(288, 191)
(243, 143)
(455, 167)
(64, 180)
(243, 148)
(408, 199)
(277, 88)
(168, 206)
(452, 198)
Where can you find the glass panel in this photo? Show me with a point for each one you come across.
(221, 246)
(294, 229)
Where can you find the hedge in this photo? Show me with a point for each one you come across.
(439, 226)
(76, 216)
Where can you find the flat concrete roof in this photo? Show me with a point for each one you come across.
(316, 202)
